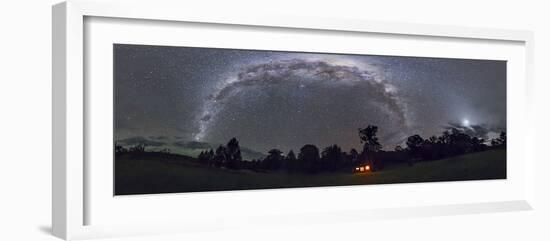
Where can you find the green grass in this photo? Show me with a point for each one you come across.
(148, 176)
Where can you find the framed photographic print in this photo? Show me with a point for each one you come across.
(161, 115)
(191, 119)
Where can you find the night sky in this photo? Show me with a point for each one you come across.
(285, 100)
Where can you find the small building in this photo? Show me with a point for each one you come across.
(363, 168)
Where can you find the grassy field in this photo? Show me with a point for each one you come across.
(150, 176)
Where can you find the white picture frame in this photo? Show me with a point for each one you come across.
(71, 188)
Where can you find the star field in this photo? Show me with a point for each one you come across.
(285, 100)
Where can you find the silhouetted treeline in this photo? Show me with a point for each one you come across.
(311, 159)
(139, 148)
(452, 142)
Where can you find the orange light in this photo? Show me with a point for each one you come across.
(361, 169)
(367, 167)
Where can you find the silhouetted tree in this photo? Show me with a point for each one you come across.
(500, 141)
(309, 158)
(353, 156)
(414, 145)
(368, 139)
(430, 149)
(332, 158)
(211, 155)
(477, 144)
(432, 140)
(291, 162)
(206, 157)
(274, 160)
(502, 138)
(220, 156)
(398, 148)
(119, 149)
(201, 156)
(460, 142)
(445, 137)
(291, 156)
(139, 148)
(233, 154)
(370, 144)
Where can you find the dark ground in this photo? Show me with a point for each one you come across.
(173, 174)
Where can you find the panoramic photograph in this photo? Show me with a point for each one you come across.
(191, 119)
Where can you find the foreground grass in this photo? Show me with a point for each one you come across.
(148, 176)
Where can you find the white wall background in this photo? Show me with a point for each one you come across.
(25, 120)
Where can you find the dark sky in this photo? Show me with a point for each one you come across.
(285, 100)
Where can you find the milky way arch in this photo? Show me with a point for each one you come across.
(305, 72)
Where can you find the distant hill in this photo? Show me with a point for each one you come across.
(178, 146)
